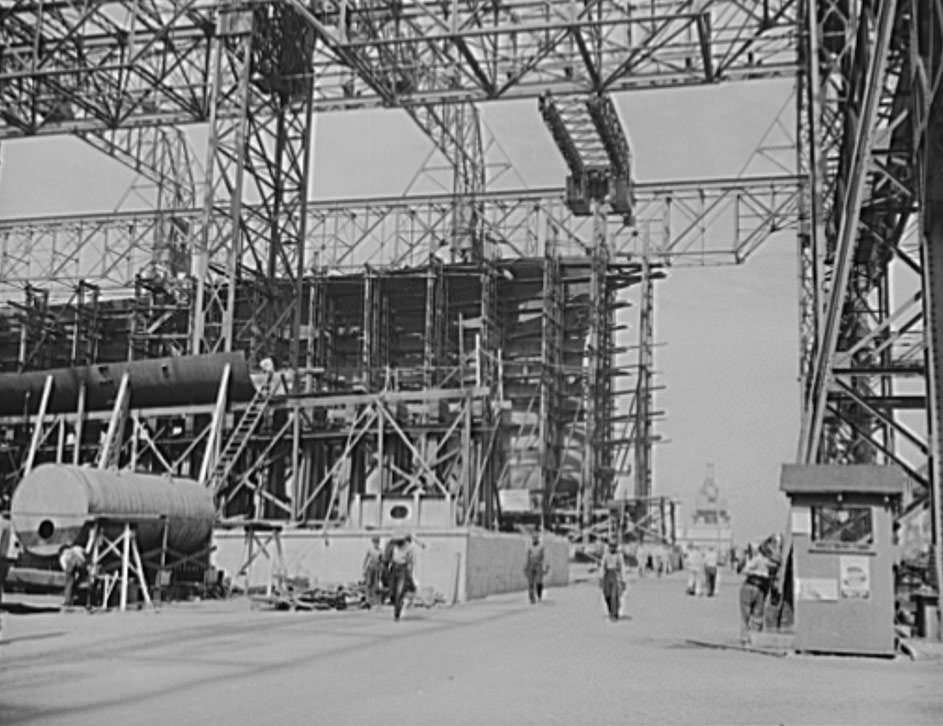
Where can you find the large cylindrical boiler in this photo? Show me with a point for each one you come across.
(56, 503)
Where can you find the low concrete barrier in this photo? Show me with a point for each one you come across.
(496, 562)
(459, 563)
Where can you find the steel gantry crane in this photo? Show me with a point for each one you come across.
(592, 141)
(255, 72)
(870, 240)
(247, 69)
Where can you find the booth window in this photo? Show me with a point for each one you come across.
(842, 526)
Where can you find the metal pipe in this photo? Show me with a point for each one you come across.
(179, 381)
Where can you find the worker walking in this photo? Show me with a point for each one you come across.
(753, 592)
(710, 571)
(372, 566)
(73, 564)
(694, 562)
(402, 562)
(612, 579)
(535, 568)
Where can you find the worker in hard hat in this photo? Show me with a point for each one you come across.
(612, 579)
(535, 568)
(402, 562)
(372, 566)
(753, 591)
(73, 563)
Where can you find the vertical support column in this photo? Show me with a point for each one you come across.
(928, 113)
(297, 491)
(126, 535)
(672, 508)
(260, 138)
(436, 318)
(382, 337)
(221, 241)
(592, 352)
(643, 394)
(468, 457)
(60, 440)
(488, 353)
(381, 444)
(551, 374)
(428, 351)
(468, 180)
(662, 521)
(368, 341)
(321, 332)
(312, 334)
(84, 324)
(810, 165)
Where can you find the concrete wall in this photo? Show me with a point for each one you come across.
(496, 562)
(337, 556)
(460, 564)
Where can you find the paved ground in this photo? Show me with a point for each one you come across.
(497, 661)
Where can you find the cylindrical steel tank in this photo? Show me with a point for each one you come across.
(55, 502)
(178, 381)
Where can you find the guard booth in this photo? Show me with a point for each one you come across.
(841, 526)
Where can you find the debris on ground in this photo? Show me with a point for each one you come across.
(336, 597)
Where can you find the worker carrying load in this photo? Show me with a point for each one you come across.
(400, 567)
(753, 591)
(612, 579)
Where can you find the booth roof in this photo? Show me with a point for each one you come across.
(840, 478)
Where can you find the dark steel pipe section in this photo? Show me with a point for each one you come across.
(179, 381)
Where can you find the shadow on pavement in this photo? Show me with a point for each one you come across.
(35, 636)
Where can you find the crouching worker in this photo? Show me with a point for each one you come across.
(73, 564)
(612, 579)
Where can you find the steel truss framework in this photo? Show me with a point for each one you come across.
(683, 223)
(255, 72)
(106, 69)
(870, 84)
(70, 67)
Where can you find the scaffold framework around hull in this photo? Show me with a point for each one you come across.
(394, 397)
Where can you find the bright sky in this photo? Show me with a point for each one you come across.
(730, 355)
